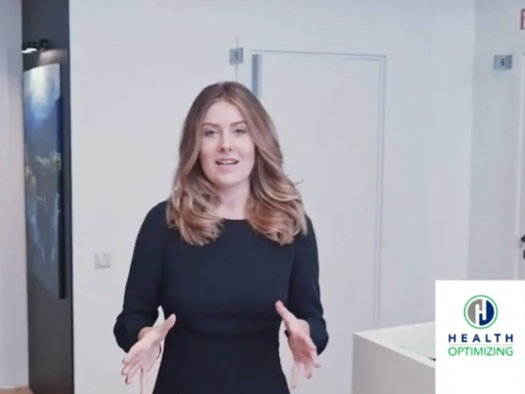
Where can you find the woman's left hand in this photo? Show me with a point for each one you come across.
(303, 348)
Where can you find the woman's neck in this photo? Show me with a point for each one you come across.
(233, 202)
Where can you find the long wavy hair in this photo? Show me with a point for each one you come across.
(274, 207)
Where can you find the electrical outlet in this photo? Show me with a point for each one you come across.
(102, 260)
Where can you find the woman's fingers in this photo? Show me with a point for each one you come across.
(168, 324)
(143, 381)
(146, 343)
(308, 371)
(288, 317)
(303, 347)
(309, 343)
(134, 354)
(296, 371)
(315, 359)
(131, 374)
(311, 357)
(129, 365)
(304, 340)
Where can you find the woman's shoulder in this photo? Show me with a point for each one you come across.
(158, 209)
(156, 215)
(309, 225)
(308, 233)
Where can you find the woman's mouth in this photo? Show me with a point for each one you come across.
(226, 162)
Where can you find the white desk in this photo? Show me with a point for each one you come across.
(394, 360)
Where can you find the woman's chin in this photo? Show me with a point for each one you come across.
(228, 183)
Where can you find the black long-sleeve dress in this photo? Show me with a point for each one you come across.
(226, 337)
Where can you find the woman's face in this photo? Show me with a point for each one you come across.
(227, 152)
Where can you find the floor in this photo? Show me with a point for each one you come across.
(21, 390)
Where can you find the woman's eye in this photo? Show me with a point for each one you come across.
(240, 131)
(208, 132)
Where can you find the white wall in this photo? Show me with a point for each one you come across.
(498, 107)
(13, 297)
(133, 79)
(452, 62)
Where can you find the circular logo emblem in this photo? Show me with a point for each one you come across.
(481, 312)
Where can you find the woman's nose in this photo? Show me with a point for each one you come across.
(224, 144)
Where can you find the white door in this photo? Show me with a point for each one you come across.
(514, 113)
(327, 109)
(518, 260)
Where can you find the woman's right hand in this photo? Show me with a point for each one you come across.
(143, 355)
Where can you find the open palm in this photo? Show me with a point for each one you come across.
(143, 355)
(303, 348)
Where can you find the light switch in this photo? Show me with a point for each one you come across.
(102, 260)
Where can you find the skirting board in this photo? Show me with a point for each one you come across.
(19, 390)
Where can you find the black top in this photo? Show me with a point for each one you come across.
(226, 337)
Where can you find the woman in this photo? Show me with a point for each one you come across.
(229, 257)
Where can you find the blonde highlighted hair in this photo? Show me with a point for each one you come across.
(274, 208)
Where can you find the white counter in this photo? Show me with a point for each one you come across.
(395, 360)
